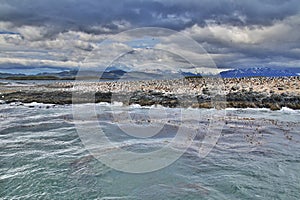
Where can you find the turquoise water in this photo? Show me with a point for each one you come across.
(42, 157)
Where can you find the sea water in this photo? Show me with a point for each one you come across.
(42, 156)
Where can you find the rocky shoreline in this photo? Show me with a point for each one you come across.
(258, 92)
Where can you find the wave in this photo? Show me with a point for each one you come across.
(287, 110)
(138, 106)
(248, 109)
(35, 104)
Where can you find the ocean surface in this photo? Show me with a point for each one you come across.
(8, 82)
(42, 156)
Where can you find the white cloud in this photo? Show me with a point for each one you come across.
(37, 62)
(5, 26)
(28, 45)
(250, 45)
(10, 39)
(281, 31)
(32, 33)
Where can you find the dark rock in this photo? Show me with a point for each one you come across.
(274, 106)
(205, 91)
(235, 87)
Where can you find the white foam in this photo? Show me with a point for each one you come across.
(16, 104)
(116, 103)
(135, 106)
(35, 104)
(287, 110)
(104, 104)
(232, 109)
(249, 109)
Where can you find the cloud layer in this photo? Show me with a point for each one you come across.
(235, 33)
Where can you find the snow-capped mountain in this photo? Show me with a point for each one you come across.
(258, 71)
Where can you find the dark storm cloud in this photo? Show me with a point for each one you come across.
(82, 14)
(42, 20)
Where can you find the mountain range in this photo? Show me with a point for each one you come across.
(115, 74)
(259, 71)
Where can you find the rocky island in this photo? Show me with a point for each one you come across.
(252, 92)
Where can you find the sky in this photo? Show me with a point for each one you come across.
(234, 33)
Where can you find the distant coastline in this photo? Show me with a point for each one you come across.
(116, 74)
(37, 78)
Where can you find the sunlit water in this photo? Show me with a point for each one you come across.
(42, 157)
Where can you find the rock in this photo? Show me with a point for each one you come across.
(235, 88)
(274, 106)
(155, 93)
(205, 91)
(173, 102)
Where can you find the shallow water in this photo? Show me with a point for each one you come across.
(42, 157)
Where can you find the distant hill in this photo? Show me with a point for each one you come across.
(112, 74)
(66, 75)
(190, 75)
(256, 72)
(7, 75)
(86, 74)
